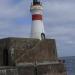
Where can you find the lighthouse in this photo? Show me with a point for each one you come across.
(37, 28)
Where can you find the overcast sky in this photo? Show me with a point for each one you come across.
(59, 22)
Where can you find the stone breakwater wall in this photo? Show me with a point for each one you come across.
(33, 70)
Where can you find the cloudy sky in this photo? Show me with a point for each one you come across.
(59, 22)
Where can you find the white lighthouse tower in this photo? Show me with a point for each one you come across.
(37, 30)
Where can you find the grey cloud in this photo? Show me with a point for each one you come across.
(59, 22)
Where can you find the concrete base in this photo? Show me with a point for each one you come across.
(30, 56)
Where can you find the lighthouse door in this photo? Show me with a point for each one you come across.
(42, 36)
(5, 57)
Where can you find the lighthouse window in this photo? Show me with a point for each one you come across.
(36, 1)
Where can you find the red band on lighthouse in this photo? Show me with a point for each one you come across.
(36, 17)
